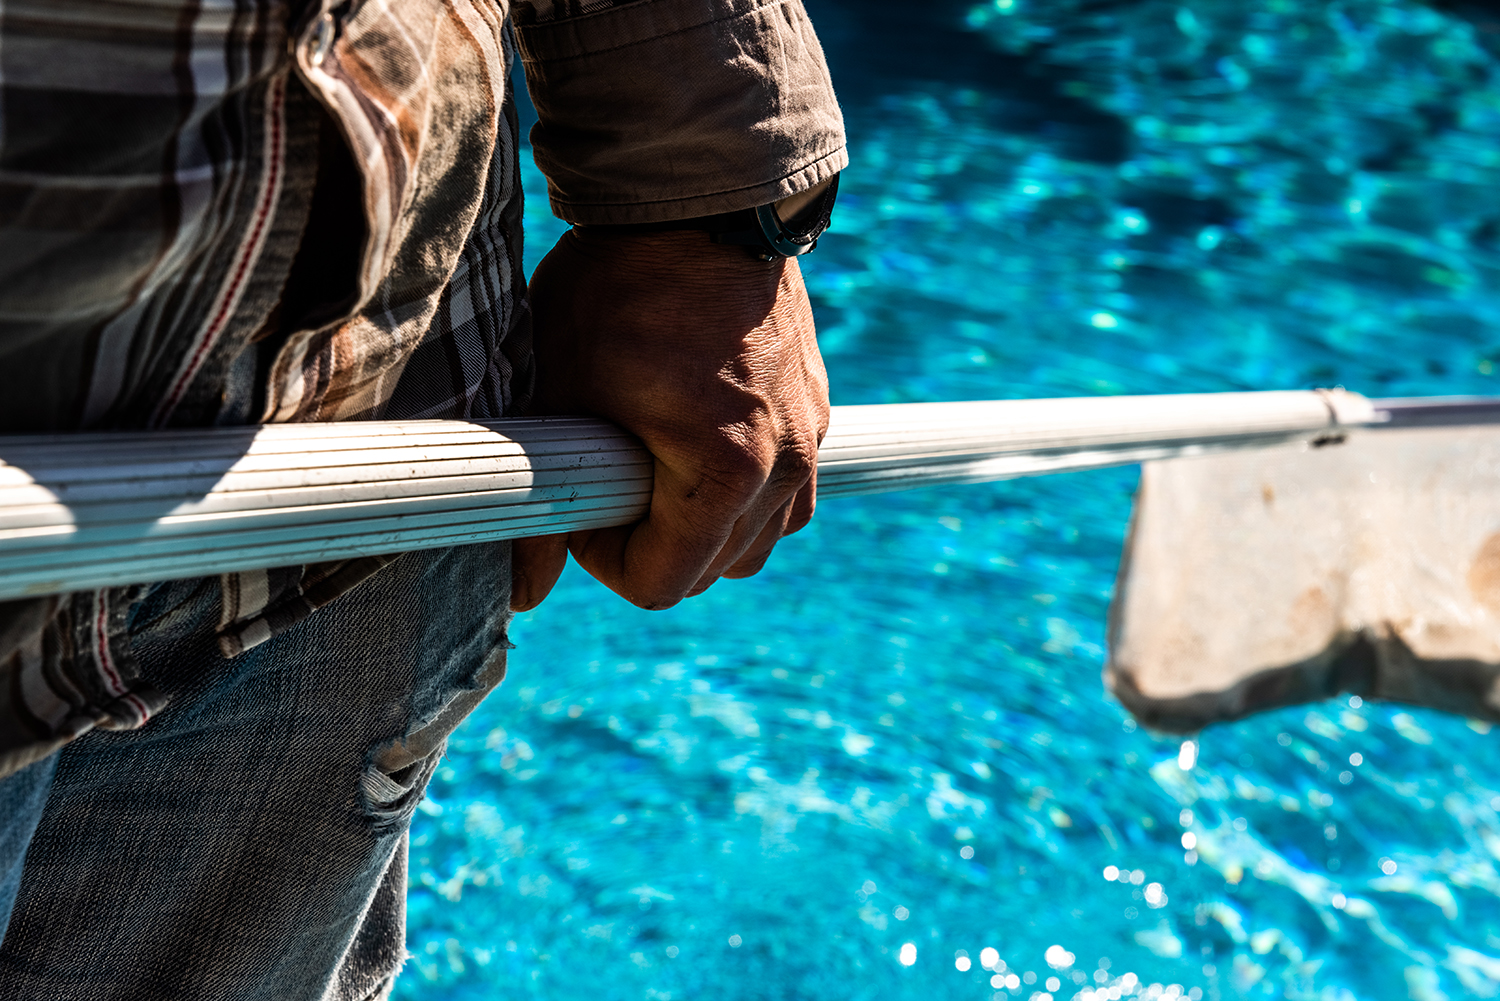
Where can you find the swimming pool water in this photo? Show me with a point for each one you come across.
(849, 776)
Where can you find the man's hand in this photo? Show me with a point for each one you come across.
(708, 356)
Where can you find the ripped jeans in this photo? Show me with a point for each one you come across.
(250, 842)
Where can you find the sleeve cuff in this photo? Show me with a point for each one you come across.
(675, 109)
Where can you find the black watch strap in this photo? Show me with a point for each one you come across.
(760, 230)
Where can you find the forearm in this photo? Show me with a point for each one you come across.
(657, 112)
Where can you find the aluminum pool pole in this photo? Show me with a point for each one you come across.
(89, 510)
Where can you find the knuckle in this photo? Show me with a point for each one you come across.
(799, 458)
(740, 481)
(735, 472)
(717, 500)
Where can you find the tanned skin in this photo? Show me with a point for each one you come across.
(708, 356)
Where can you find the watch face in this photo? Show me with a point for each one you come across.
(779, 239)
(814, 219)
(792, 239)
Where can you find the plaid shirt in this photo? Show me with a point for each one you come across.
(233, 211)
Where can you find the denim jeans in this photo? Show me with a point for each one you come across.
(250, 842)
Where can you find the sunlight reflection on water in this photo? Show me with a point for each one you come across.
(891, 751)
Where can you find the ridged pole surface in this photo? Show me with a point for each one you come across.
(101, 509)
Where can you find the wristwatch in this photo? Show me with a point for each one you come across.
(760, 230)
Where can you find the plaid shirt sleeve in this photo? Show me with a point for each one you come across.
(164, 182)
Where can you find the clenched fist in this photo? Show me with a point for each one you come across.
(708, 356)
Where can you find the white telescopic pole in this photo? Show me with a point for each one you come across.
(95, 510)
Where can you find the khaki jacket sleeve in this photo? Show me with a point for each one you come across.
(672, 109)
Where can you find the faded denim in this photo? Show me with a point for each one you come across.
(250, 842)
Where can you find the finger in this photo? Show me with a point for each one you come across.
(755, 555)
(757, 531)
(655, 562)
(803, 505)
(793, 517)
(535, 565)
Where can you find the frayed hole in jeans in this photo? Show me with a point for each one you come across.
(390, 798)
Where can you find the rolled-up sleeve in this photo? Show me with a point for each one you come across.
(672, 109)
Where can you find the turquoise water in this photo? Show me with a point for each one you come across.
(894, 743)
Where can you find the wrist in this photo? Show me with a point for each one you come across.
(703, 293)
(788, 227)
(674, 258)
